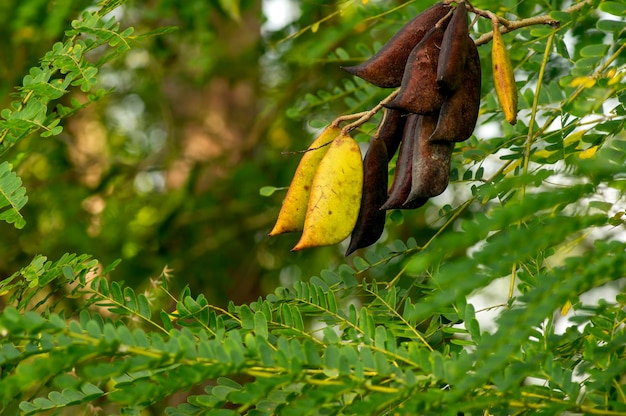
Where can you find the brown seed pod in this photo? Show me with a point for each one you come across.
(401, 186)
(390, 130)
(419, 92)
(371, 220)
(454, 51)
(459, 112)
(386, 67)
(430, 170)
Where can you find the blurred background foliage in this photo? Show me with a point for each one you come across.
(165, 170)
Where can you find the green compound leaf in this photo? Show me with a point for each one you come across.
(12, 196)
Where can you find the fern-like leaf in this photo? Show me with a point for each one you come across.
(12, 196)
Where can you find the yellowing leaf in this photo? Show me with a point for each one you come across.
(503, 77)
(565, 309)
(588, 153)
(514, 165)
(574, 137)
(542, 154)
(293, 211)
(615, 78)
(586, 82)
(335, 195)
(315, 26)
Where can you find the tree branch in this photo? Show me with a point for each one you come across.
(507, 26)
(511, 25)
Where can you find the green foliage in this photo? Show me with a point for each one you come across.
(395, 330)
(12, 196)
(42, 86)
(378, 348)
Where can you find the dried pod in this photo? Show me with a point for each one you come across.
(503, 77)
(419, 92)
(454, 50)
(390, 130)
(430, 171)
(371, 220)
(401, 185)
(386, 67)
(459, 112)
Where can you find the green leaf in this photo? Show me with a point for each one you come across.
(144, 306)
(260, 324)
(130, 299)
(613, 7)
(287, 316)
(359, 263)
(58, 399)
(167, 322)
(268, 190)
(540, 32)
(91, 391)
(12, 196)
(594, 50)
(116, 293)
(560, 16)
(342, 54)
(298, 322)
(608, 25)
(247, 317)
(266, 352)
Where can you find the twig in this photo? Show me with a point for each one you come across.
(347, 117)
(507, 26)
(368, 114)
(511, 25)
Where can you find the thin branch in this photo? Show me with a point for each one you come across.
(511, 25)
(400, 317)
(369, 114)
(507, 26)
(531, 124)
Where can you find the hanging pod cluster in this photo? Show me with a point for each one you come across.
(436, 64)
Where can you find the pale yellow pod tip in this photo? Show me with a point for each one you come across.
(503, 76)
(293, 211)
(335, 195)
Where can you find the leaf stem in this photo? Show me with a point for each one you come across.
(531, 124)
(400, 317)
(512, 282)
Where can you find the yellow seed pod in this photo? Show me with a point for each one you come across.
(503, 78)
(293, 211)
(335, 195)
